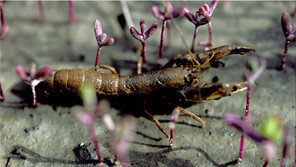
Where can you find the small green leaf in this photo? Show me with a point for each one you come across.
(272, 129)
(88, 96)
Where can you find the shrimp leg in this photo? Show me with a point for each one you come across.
(155, 120)
(106, 67)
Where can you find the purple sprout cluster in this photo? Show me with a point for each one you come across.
(288, 28)
(101, 39)
(263, 138)
(166, 16)
(33, 77)
(122, 133)
(142, 38)
(202, 16)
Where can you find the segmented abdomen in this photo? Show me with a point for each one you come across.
(71, 81)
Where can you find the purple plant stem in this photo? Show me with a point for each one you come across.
(41, 11)
(169, 34)
(248, 100)
(208, 44)
(4, 28)
(2, 14)
(194, 38)
(161, 41)
(283, 160)
(210, 33)
(98, 56)
(71, 13)
(92, 132)
(2, 97)
(266, 163)
(171, 137)
(144, 55)
(35, 104)
(116, 155)
(242, 144)
(241, 149)
(294, 152)
(285, 55)
(286, 143)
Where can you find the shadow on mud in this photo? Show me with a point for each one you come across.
(82, 155)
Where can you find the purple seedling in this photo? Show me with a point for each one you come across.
(166, 18)
(288, 28)
(71, 13)
(206, 12)
(110, 125)
(142, 38)
(2, 97)
(255, 70)
(123, 133)
(100, 36)
(172, 125)
(121, 143)
(88, 120)
(90, 113)
(41, 11)
(4, 28)
(269, 132)
(33, 77)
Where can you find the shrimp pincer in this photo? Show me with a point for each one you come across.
(208, 58)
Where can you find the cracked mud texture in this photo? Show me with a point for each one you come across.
(48, 136)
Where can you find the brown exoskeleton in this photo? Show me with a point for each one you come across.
(178, 77)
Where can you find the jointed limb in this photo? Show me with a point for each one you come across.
(106, 67)
(156, 122)
(192, 115)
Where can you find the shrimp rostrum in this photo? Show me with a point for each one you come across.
(179, 76)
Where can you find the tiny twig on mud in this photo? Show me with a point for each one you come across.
(126, 13)
(288, 28)
(166, 17)
(33, 77)
(142, 38)
(101, 39)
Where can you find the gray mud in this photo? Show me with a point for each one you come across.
(46, 136)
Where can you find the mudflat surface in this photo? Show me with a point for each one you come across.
(53, 133)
